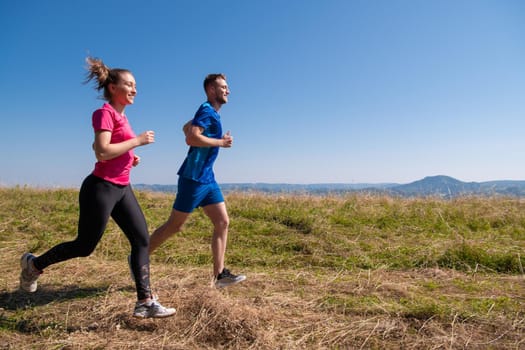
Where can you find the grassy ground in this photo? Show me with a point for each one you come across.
(354, 272)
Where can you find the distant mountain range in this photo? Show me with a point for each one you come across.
(437, 186)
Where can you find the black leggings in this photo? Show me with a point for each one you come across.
(100, 199)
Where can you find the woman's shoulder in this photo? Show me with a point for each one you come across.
(107, 111)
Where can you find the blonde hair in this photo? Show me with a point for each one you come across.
(103, 75)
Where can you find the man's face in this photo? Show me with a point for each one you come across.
(221, 91)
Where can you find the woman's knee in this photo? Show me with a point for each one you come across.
(84, 250)
(141, 242)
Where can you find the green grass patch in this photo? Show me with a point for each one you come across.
(353, 271)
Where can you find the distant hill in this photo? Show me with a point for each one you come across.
(442, 186)
(438, 186)
(448, 187)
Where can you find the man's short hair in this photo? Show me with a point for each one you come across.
(211, 78)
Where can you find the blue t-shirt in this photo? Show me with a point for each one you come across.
(198, 165)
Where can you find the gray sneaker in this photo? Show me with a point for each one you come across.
(29, 273)
(152, 309)
(226, 278)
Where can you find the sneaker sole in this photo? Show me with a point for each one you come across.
(221, 285)
(157, 316)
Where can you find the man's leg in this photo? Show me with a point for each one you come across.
(220, 220)
(168, 229)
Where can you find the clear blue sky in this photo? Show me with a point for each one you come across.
(327, 91)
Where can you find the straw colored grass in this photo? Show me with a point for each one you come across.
(354, 272)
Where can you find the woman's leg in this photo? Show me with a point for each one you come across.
(96, 199)
(128, 215)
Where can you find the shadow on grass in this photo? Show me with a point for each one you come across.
(19, 300)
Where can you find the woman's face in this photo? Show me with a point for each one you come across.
(125, 90)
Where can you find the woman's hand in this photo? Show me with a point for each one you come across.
(136, 160)
(146, 137)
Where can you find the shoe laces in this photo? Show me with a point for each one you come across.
(225, 273)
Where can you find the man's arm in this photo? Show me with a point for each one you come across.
(195, 138)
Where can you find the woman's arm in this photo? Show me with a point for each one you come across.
(104, 150)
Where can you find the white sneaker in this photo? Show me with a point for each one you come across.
(29, 273)
(153, 309)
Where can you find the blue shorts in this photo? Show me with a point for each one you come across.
(192, 194)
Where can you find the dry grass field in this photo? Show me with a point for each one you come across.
(349, 272)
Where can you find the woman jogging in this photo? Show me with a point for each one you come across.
(107, 191)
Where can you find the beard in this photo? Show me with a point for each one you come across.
(221, 99)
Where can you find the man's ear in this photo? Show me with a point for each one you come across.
(211, 91)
